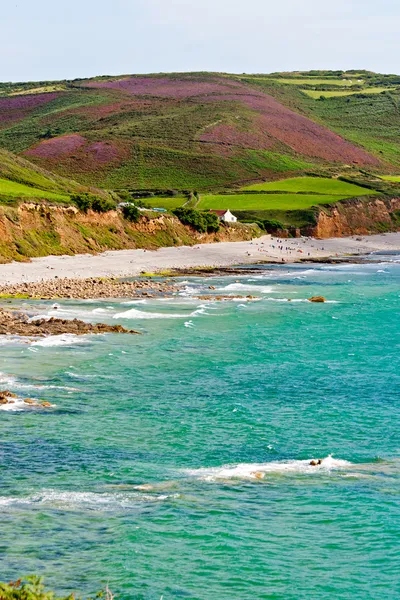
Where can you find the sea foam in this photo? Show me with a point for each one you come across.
(261, 470)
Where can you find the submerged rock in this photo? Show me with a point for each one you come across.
(317, 299)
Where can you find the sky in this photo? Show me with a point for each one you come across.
(50, 39)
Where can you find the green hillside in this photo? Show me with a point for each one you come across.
(22, 180)
(205, 131)
(251, 143)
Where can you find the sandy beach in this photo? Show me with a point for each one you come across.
(125, 263)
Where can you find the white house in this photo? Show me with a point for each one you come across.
(225, 215)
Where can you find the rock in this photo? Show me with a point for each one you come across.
(317, 299)
(7, 394)
(46, 404)
(211, 287)
(3, 401)
(18, 323)
(29, 401)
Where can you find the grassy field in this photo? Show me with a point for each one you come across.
(19, 190)
(265, 201)
(315, 81)
(319, 185)
(167, 203)
(339, 93)
(391, 177)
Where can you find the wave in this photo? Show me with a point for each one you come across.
(65, 339)
(261, 470)
(87, 500)
(234, 287)
(134, 313)
(133, 302)
(19, 404)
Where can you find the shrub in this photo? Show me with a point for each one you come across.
(32, 588)
(212, 222)
(82, 201)
(202, 221)
(102, 205)
(272, 225)
(87, 201)
(131, 213)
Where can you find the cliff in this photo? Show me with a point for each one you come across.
(32, 230)
(357, 216)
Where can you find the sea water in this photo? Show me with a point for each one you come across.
(175, 464)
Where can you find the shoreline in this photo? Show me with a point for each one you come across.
(133, 263)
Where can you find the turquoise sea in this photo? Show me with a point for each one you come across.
(175, 464)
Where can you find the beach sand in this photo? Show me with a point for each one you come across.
(126, 263)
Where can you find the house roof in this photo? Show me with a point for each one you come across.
(220, 213)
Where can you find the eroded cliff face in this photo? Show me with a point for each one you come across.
(357, 216)
(39, 230)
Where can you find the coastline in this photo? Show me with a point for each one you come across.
(132, 263)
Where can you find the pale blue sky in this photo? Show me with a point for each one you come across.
(53, 39)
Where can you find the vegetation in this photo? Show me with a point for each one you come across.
(131, 213)
(279, 201)
(318, 185)
(12, 190)
(193, 139)
(200, 220)
(86, 201)
(32, 588)
(317, 94)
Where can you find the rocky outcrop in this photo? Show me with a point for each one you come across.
(18, 323)
(7, 397)
(357, 216)
(82, 289)
(317, 299)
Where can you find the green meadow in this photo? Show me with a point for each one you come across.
(11, 189)
(318, 185)
(390, 177)
(266, 201)
(339, 93)
(315, 81)
(167, 203)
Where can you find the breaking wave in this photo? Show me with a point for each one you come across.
(65, 339)
(261, 470)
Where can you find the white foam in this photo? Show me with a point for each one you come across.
(18, 405)
(65, 339)
(134, 313)
(87, 500)
(233, 287)
(133, 302)
(261, 470)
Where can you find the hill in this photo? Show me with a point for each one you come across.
(22, 180)
(204, 131)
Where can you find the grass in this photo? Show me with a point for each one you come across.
(19, 190)
(390, 177)
(266, 201)
(167, 203)
(316, 94)
(319, 185)
(315, 81)
(45, 89)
